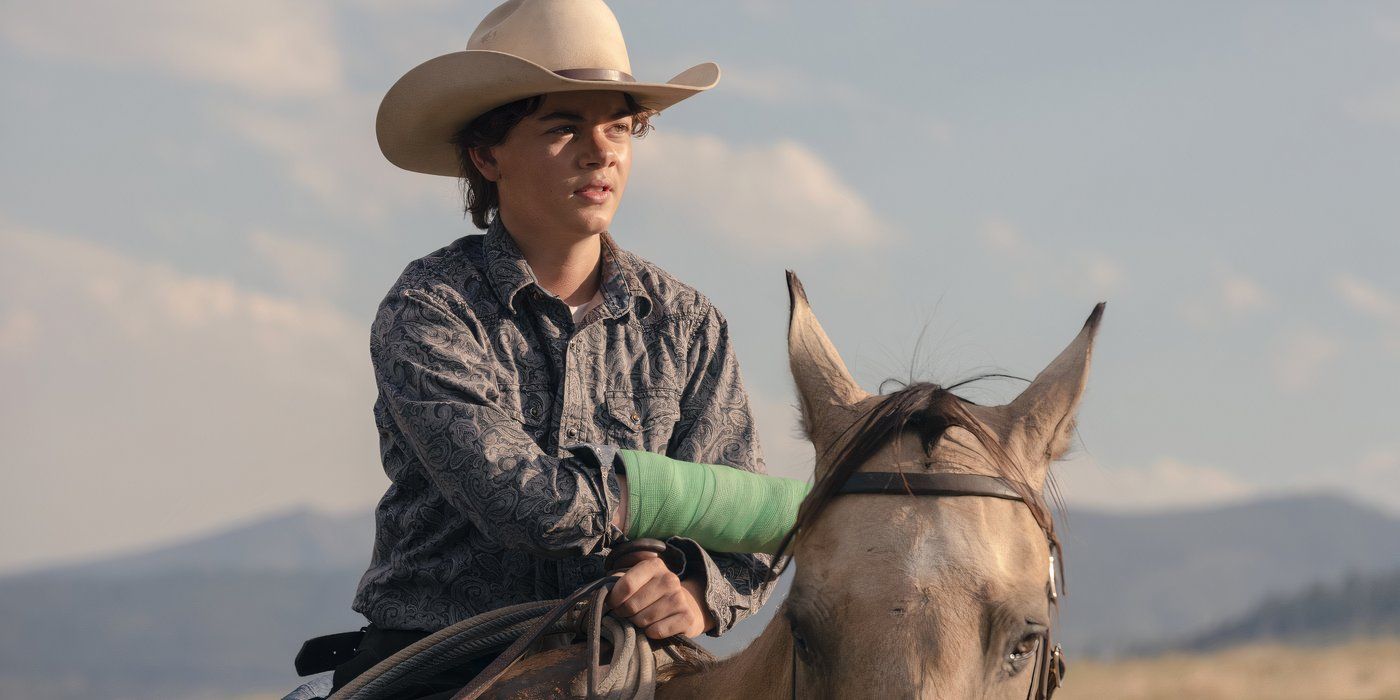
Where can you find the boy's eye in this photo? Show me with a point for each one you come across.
(566, 129)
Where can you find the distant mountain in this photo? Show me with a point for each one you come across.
(185, 635)
(301, 540)
(1138, 579)
(1355, 606)
(223, 615)
(213, 617)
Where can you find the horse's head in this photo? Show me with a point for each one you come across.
(924, 596)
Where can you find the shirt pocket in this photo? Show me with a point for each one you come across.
(641, 419)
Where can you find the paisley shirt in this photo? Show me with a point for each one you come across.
(499, 419)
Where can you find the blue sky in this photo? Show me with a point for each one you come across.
(196, 226)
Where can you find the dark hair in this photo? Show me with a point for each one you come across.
(479, 195)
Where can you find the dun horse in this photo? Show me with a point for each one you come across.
(932, 586)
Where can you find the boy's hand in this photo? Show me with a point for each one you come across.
(658, 602)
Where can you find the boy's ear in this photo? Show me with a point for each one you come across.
(485, 162)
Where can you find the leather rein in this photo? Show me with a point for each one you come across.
(1049, 671)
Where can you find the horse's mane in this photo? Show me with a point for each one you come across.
(928, 410)
(685, 661)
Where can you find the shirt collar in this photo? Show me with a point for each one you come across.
(508, 273)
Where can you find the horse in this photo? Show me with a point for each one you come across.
(898, 594)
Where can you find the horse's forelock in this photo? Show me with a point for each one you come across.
(927, 410)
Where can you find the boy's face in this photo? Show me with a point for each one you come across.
(545, 166)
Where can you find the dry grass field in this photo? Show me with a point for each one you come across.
(1360, 670)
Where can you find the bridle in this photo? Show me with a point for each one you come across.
(1049, 671)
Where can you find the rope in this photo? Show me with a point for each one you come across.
(631, 666)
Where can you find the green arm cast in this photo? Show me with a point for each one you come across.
(722, 508)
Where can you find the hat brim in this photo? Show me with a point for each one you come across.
(425, 108)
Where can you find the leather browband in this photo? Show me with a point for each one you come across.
(595, 74)
(925, 484)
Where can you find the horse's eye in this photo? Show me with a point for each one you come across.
(800, 642)
(1022, 651)
(800, 645)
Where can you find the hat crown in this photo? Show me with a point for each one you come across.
(521, 49)
(555, 34)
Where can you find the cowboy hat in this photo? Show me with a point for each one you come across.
(522, 48)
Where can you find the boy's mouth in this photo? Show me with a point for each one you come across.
(594, 192)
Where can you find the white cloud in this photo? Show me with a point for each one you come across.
(777, 199)
(1170, 484)
(156, 402)
(1374, 302)
(1367, 298)
(1239, 293)
(1000, 236)
(1099, 275)
(1080, 273)
(304, 267)
(1377, 477)
(1231, 295)
(1380, 106)
(328, 148)
(785, 85)
(283, 55)
(1372, 477)
(262, 47)
(1164, 484)
(1300, 357)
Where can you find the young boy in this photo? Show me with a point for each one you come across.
(514, 365)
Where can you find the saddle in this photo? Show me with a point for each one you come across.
(556, 627)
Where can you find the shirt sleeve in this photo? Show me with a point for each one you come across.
(716, 427)
(433, 374)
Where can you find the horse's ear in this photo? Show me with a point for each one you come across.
(1042, 417)
(824, 385)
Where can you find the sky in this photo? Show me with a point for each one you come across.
(196, 226)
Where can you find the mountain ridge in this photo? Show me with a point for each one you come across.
(1354, 606)
(351, 527)
(293, 539)
(224, 613)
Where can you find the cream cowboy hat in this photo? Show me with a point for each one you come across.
(522, 48)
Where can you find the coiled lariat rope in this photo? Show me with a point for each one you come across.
(631, 672)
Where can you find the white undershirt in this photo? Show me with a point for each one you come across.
(581, 309)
